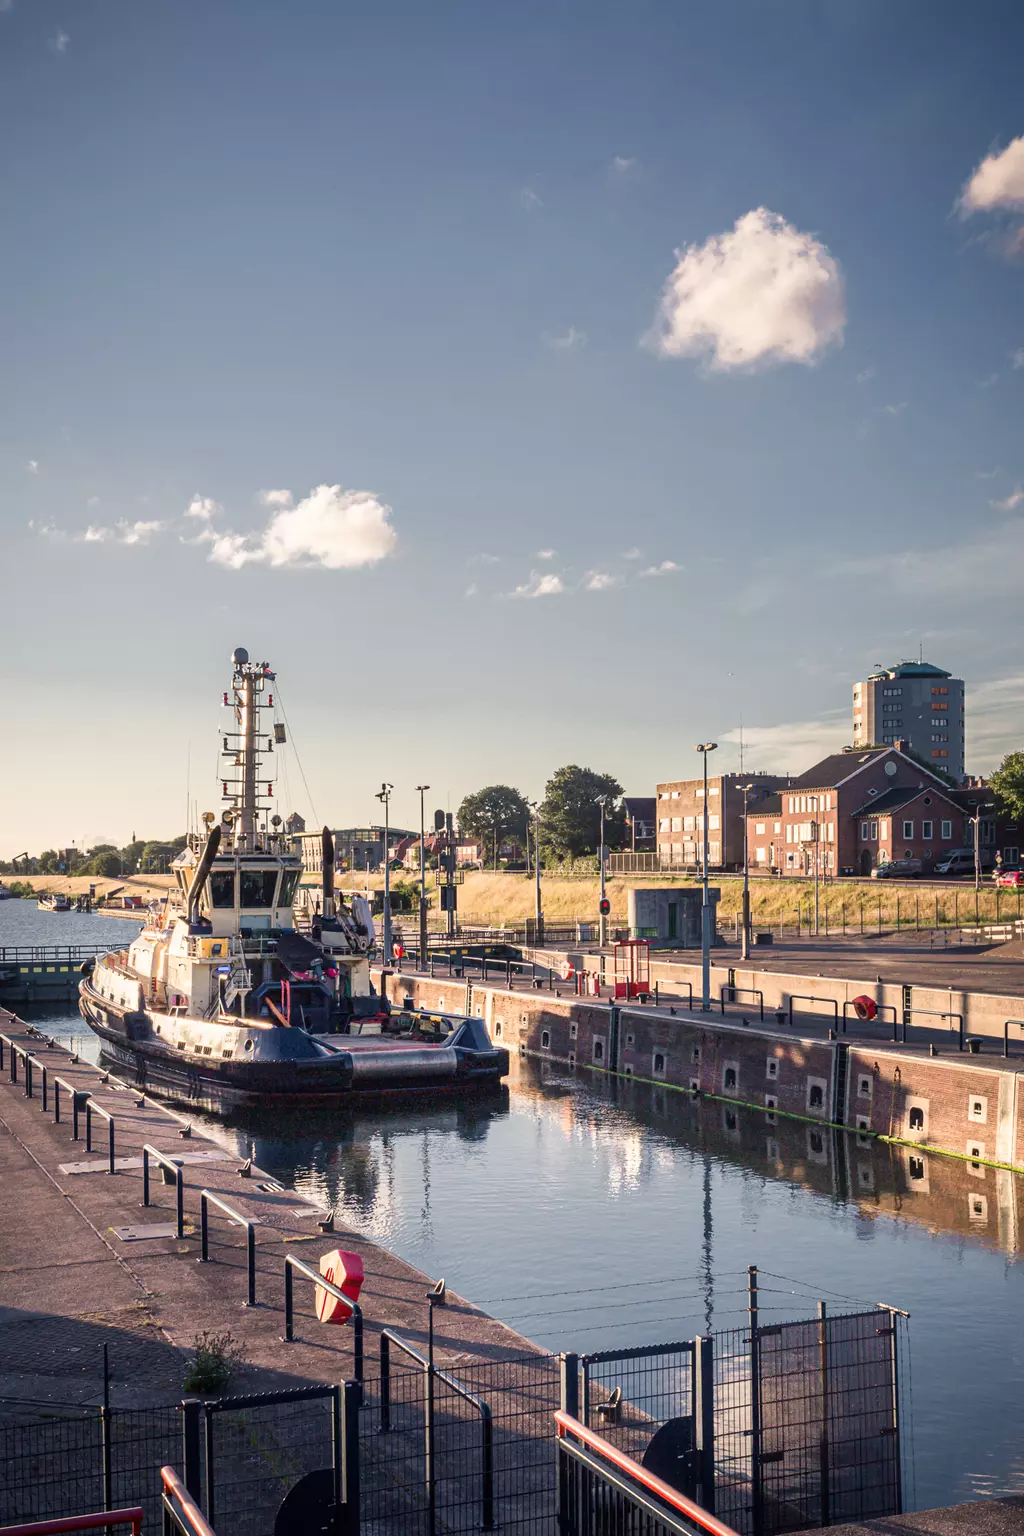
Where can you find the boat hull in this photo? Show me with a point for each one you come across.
(294, 1070)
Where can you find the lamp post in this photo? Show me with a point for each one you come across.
(385, 798)
(705, 747)
(421, 790)
(538, 915)
(976, 822)
(602, 801)
(744, 790)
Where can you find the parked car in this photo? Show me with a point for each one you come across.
(961, 862)
(1009, 877)
(897, 869)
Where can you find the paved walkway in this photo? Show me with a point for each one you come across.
(988, 1517)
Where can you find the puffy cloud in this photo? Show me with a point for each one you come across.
(331, 527)
(32, 466)
(529, 198)
(1009, 503)
(895, 410)
(59, 42)
(276, 498)
(998, 182)
(758, 295)
(664, 569)
(203, 507)
(546, 554)
(1017, 357)
(123, 532)
(623, 165)
(93, 501)
(793, 746)
(599, 581)
(548, 584)
(633, 554)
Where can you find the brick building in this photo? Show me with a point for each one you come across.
(854, 811)
(680, 818)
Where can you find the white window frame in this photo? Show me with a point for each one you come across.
(947, 831)
(908, 831)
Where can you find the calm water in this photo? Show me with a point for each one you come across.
(601, 1215)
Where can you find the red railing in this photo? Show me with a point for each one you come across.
(182, 1508)
(647, 1482)
(132, 1517)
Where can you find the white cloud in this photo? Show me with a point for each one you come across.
(664, 569)
(865, 374)
(632, 554)
(484, 559)
(1017, 358)
(599, 581)
(546, 554)
(472, 589)
(792, 747)
(276, 498)
(986, 474)
(139, 532)
(571, 340)
(758, 295)
(1009, 503)
(59, 42)
(895, 410)
(203, 507)
(548, 584)
(32, 467)
(996, 721)
(975, 571)
(623, 165)
(529, 199)
(993, 378)
(331, 527)
(998, 182)
(93, 501)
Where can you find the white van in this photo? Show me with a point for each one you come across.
(961, 862)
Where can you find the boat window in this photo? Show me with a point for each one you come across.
(222, 888)
(289, 881)
(257, 887)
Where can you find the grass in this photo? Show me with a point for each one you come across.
(498, 898)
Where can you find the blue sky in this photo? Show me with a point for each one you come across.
(420, 254)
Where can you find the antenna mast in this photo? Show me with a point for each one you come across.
(244, 791)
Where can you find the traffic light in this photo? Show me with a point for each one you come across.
(605, 906)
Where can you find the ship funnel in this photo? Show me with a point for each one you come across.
(327, 864)
(202, 870)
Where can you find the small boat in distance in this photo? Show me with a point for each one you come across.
(221, 1001)
(54, 901)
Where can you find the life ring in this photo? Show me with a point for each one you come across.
(865, 1007)
(568, 971)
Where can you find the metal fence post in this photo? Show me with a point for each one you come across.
(210, 1461)
(757, 1492)
(350, 1400)
(704, 1418)
(569, 1384)
(108, 1484)
(824, 1453)
(385, 1383)
(145, 1170)
(250, 1246)
(190, 1451)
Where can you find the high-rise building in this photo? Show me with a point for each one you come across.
(917, 703)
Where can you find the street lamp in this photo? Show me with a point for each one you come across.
(976, 822)
(538, 915)
(705, 912)
(602, 801)
(744, 790)
(385, 799)
(422, 789)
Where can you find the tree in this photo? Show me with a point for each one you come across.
(571, 816)
(1007, 784)
(494, 813)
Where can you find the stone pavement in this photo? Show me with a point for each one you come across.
(69, 1285)
(991, 1517)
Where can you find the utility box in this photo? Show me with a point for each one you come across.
(670, 919)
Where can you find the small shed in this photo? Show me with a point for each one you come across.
(669, 919)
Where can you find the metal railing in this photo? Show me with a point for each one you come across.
(53, 954)
(601, 1488)
(206, 1199)
(91, 1108)
(734, 993)
(432, 1373)
(132, 1517)
(171, 1166)
(77, 1097)
(181, 1512)
(822, 1004)
(1006, 1033)
(880, 1010)
(934, 1013)
(292, 1266)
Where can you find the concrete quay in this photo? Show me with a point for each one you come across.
(71, 1284)
(988, 1517)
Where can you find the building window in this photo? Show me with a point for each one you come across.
(598, 1050)
(713, 823)
(940, 706)
(771, 1067)
(926, 831)
(776, 827)
(891, 691)
(677, 824)
(977, 1108)
(759, 828)
(865, 831)
(658, 1064)
(714, 790)
(908, 829)
(947, 830)
(939, 752)
(689, 823)
(545, 1039)
(940, 690)
(731, 1077)
(940, 736)
(874, 831)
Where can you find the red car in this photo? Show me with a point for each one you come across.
(1010, 877)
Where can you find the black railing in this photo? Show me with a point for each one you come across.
(600, 1488)
(822, 1004)
(293, 1266)
(170, 1166)
(206, 1199)
(881, 1009)
(53, 954)
(91, 1108)
(730, 993)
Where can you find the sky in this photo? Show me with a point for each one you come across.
(559, 382)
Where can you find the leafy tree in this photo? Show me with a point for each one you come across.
(493, 814)
(107, 864)
(571, 817)
(1007, 784)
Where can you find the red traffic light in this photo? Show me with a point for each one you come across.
(605, 906)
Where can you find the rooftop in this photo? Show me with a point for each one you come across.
(909, 669)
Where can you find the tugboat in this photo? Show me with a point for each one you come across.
(54, 901)
(221, 1001)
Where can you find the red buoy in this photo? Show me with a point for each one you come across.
(865, 1007)
(345, 1270)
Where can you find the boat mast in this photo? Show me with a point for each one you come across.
(244, 791)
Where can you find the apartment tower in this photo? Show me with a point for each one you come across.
(918, 703)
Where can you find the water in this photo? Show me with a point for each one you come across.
(600, 1215)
